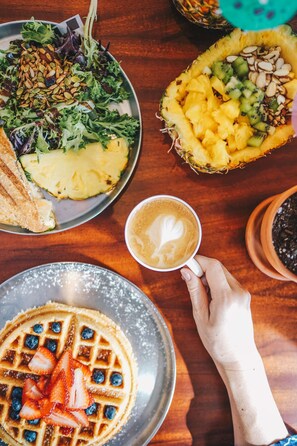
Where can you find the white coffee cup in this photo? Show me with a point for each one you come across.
(163, 233)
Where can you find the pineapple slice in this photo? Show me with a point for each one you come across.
(78, 175)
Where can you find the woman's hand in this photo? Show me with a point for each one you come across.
(221, 309)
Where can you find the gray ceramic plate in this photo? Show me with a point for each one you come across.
(85, 285)
(71, 213)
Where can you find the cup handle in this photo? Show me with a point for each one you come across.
(195, 267)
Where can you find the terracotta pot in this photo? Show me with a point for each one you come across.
(266, 234)
(259, 237)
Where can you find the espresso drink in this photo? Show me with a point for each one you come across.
(163, 233)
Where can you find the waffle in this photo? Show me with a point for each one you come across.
(108, 351)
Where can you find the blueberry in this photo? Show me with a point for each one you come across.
(91, 409)
(87, 333)
(14, 415)
(56, 327)
(116, 379)
(34, 422)
(16, 404)
(17, 392)
(30, 436)
(51, 344)
(32, 342)
(98, 376)
(110, 412)
(38, 328)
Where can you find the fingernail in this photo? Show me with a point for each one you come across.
(186, 275)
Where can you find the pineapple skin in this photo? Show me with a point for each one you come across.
(179, 127)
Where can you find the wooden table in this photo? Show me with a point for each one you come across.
(155, 44)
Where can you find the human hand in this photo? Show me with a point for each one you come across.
(221, 309)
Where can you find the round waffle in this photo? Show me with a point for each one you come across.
(106, 352)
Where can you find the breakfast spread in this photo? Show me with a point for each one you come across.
(67, 376)
(234, 103)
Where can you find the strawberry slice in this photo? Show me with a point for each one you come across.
(43, 384)
(60, 417)
(43, 362)
(31, 391)
(84, 368)
(79, 395)
(65, 363)
(59, 392)
(81, 417)
(30, 410)
(46, 407)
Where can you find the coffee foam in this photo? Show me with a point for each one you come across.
(163, 233)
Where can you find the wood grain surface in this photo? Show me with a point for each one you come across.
(154, 44)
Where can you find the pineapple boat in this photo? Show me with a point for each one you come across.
(233, 104)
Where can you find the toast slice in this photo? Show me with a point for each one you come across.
(21, 203)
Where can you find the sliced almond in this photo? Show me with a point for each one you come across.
(271, 89)
(250, 60)
(266, 66)
(281, 99)
(261, 80)
(231, 59)
(282, 71)
(272, 55)
(253, 76)
(279, 63)
(249, 49)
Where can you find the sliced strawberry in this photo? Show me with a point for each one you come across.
(81, 417)
(43, 384)
(60, 417)
(30, 410)
(59, 392)
(65, 363)
(79, 395)
(84, 368)
(46, 407)
(31, 391)
(43, 362)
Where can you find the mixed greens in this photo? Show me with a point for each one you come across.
(58, 91)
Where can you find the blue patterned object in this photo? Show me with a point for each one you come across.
(257, 14)
(289, 441)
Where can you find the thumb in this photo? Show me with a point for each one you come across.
(197, 293)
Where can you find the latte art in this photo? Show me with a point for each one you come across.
(163, 233)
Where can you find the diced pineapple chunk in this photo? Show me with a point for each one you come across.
(192, 99)
(210, 138)
(205, 123)
(219, 86)
(242, 134)
(219, 153)
(225, 127)
(203, 85)
(231, 109)
(196, 112)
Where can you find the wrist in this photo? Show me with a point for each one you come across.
(248, 361)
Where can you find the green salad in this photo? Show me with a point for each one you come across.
(58, 92)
